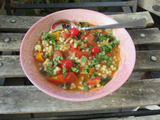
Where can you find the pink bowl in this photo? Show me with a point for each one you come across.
(29, 66)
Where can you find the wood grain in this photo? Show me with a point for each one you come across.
(23, 23)
(152, 37)
(148, 5)
(28, 99)
(12, 68)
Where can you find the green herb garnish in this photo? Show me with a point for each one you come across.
(78, 42)
(93, 75)
(86, 87)
(55, 64)
(90, 46)
(64, 71)
(114, 43)
(86, 70)
(47, 55)
(42, 71)
(111, 31)
(58, 58)
(84, 80)
(82, 47)
(83, 59)
(49, 71)
(84, 40)
(74, 69)
(106, 48)
(105, 81)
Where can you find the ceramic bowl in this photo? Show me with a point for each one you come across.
(127, 52)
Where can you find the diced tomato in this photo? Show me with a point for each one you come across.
(80, 54)
(68, 64)
(72, 47)
(93, 81)
(57, 53)
(95, 50)
(65, 35)
(59, 79)
(85, 34)
(90, 38)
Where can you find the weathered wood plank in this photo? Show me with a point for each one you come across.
(17, 99)
(23, 23)
(149, 36)
(150, 5)
(152, 117)
(152, 37)
(12, 68)
(14, 42)
(144, 62)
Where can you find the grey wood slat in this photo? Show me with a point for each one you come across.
(127, 9)
(152, 37)
(23, 23)
(70, 5)
(12, 68)
(150, 5)
(28, 99)
(151, 117)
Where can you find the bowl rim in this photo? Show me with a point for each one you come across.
(74, 99)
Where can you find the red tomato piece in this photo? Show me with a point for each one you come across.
(59, 79)
(72, 47)
(85, 34)
(93, 81)
(68, 64)
(57, 53)
(95, 50)
(80, 54)
(90, 38)
(74, 31)
(65, 35)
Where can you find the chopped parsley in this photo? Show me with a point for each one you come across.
(106, 48)
(93, 75)
(114, 43)
(86, 70)
(49, 71)
(58, 58)
(84, 40)
(84, 80)
(55, 64)
(111, 31)
(86, 87)
(74, 69)
(82, 47)
(64, 71)
(105, 81)
(83, 59)
(47, 55)
(78, 42)
(74, 62)
(74, 37)
(90, 46)
(42, 71)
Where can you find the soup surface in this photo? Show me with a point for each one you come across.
(78, 60)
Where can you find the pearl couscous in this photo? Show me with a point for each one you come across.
(78, 60)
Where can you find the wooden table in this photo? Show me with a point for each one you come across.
(26, 101)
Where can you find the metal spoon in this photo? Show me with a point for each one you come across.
(64, 23)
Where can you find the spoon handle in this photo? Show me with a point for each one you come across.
(139, 23)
